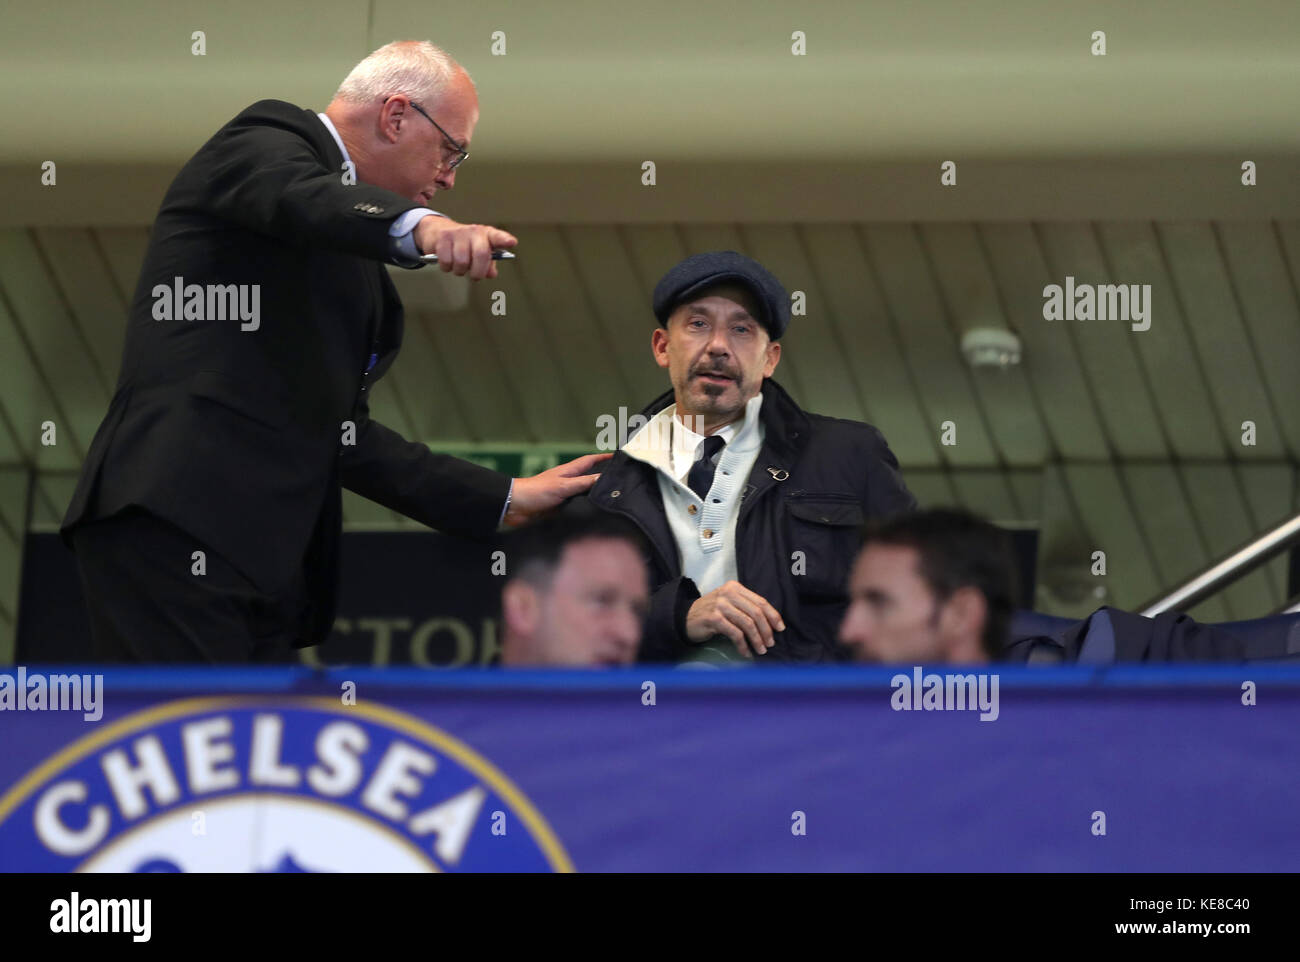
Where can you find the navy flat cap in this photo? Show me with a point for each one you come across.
(702, 271)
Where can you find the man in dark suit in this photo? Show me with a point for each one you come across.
(207, 517)
(751, 505)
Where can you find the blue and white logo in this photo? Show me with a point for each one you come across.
(261, 785)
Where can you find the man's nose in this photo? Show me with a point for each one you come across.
(853, 629)
(627, 631)
(446, 179)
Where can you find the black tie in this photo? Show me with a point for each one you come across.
(700, 478)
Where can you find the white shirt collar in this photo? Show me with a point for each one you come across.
(651, 443)
(329, 125)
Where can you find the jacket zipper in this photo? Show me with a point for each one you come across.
(829, 496)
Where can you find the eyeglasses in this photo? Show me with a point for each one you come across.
(461, 152)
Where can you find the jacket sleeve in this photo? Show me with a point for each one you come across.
(665, 627)
(260, 173)
(885, 493)
(664, 632)
(440, 491)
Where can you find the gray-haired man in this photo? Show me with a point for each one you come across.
(208, 514)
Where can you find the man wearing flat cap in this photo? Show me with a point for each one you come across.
(751, 505)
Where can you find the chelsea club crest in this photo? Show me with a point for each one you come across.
(271, 785)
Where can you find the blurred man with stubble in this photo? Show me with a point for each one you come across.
(932, 587)
(207, 518)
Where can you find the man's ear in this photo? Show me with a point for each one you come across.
(962, 622)
(391, 115)
(520, 607)
(773, 358)
(659, 345)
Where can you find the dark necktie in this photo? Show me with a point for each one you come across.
(700, 478)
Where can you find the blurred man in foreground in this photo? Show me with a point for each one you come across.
(577, 593)
(932, 587)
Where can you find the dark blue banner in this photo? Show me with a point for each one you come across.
(1128, 769)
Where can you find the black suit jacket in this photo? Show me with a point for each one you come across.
(236, 436)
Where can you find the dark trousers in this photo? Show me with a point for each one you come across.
(147, 604)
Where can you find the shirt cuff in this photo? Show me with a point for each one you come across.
(506, 507)
(401, 233)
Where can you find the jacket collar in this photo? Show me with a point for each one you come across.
(302, 121)
(629, 486)
(785, 425)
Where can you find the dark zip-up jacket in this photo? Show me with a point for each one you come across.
(815, 481)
